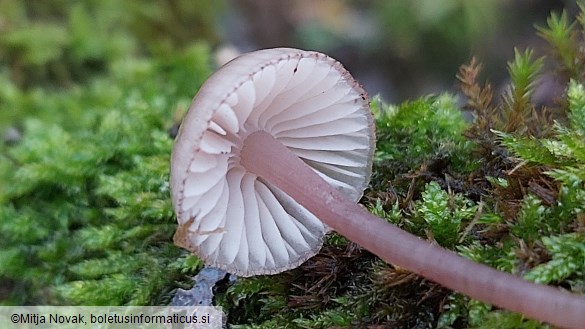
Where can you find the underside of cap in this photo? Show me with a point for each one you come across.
(230, 217)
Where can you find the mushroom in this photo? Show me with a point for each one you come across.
(228, 215)
(275, 150)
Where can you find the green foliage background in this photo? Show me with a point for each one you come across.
(88, 108)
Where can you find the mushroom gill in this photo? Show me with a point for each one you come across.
(307, 101)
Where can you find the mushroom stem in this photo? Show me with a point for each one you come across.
(266, 157)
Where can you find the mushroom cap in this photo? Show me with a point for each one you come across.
(230, 217)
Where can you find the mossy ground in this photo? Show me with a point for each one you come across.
(85, 214)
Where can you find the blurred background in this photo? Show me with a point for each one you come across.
(399, 49)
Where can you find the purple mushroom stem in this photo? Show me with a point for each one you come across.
(266, 157)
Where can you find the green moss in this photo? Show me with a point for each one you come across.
(419, 131)
(86, 216)
(567, 253)
(444, 213)
(561, 34)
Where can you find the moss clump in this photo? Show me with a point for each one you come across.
(424, 131)
(85, 215)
